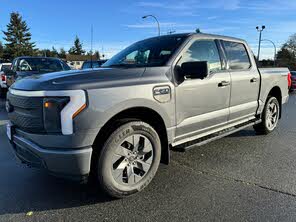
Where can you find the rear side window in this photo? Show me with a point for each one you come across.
(237, 55)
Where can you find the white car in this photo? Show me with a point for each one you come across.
(3, 86)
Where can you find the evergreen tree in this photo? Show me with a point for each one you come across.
(18, 37)
(54, 52)
(1, 51)
(97, 55)
(77, 48)
(286, 56)
(62, 53)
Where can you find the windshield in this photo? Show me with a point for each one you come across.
(5, 67)
(293, 73)
(42, 65)
(150, 52)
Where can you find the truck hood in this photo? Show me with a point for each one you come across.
(80, 79)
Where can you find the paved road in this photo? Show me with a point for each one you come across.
(243, 177)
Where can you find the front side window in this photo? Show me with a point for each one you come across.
(237, 56)
(88, 65)
(203, 50)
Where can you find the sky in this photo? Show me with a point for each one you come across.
(118, 23)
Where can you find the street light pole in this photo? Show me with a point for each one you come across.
(274, 58)
(260, 34)
(158, 26)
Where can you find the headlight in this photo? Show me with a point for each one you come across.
(52, 108)
(59, 107)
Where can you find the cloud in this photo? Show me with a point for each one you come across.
(162, 25)
(272, 5)
(212, 17)
(192, 5)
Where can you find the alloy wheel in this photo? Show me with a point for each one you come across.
(132, 159)
(272, 115)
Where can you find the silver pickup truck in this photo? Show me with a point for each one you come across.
(117, 123)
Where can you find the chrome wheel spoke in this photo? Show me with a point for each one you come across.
(137, 178)
(121, 151)
(118, 175)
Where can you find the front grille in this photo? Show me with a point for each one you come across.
(27, 112)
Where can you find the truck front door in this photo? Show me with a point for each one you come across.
(202, 104)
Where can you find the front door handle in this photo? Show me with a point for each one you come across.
(223, 84)
(253, 80)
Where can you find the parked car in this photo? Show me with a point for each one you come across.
(27, 66)
(93, 64)
(3, 87)
(118, 123)
(293, 81)
(5, 66)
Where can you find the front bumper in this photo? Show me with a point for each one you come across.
(67, 162)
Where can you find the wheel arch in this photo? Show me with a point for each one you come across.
(144, 114)
(277, 93)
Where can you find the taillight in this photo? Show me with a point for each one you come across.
(3, 78)
(289, 79)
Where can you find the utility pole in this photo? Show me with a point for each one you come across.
(260, 35)
(158, 26)
(91, 46)
(274, 57)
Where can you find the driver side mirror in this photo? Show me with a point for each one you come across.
(195, 70)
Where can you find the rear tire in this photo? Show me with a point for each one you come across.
(129, 159)
(270, 117)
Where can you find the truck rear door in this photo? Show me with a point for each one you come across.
(245, 81)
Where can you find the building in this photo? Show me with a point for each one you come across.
(76, 61)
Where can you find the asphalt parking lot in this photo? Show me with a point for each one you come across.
(243, 177)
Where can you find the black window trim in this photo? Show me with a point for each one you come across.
(227, 61)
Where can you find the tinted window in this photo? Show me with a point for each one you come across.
(237, 56)
(65, 66)
(293, 73)
(41, 65)
(88, 65)
(203, 50)
(5, 67)
(150, 52)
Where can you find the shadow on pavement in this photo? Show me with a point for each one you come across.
(40, 192)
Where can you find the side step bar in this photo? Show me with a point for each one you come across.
(206, 139)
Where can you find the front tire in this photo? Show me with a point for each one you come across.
(129, 159)
(270, 117)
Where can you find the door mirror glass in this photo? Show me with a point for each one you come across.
(195, 70)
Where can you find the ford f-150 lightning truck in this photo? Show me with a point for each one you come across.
(117, 123)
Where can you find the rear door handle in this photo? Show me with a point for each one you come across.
(223, 84)
(253, 80)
